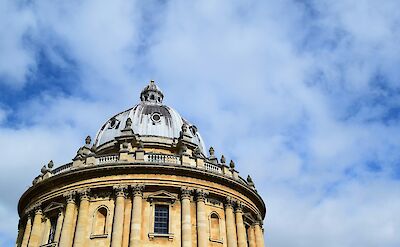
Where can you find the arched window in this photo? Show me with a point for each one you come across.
(215, 229)
(100, 221)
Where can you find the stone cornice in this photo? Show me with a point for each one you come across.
(82, 173)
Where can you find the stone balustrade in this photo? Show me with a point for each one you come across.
(213, 168)
(153, 158)
(62, 168)
(162, 158)
(107, 159)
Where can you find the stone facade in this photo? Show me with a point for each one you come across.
(142, 190)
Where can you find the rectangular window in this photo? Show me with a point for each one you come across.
(161, 219)
(53, 224)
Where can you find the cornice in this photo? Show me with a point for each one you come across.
(88, 172)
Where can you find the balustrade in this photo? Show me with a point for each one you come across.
(106, 159)
(162, 158)
(212, 168)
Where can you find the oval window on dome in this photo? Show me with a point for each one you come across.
(114, 123)
(156, 117)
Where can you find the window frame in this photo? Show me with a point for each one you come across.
(93, 234)
(161, 198)
(164, 206)
(220, 239)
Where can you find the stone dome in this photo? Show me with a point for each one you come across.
(149, 118)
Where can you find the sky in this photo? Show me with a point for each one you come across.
(302, 95)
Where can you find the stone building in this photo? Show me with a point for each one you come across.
(145, 180)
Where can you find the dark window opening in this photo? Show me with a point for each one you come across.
(247, 234)
(161, 219)
(53, 224)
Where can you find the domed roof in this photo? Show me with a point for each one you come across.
(149, 118)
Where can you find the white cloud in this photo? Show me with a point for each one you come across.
(17, 59)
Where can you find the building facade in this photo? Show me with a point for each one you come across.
(145, 180)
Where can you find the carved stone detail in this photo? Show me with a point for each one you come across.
(70, 196)
(120, 190)
(201, 195)
(137, 189)
(229, 202)
(239, 206)
(84, 194)
(186, 193)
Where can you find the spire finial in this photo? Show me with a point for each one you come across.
(152, 94)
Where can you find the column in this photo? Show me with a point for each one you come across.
(136, 216)
(252, 237)
(83, 215)
(118, 224)
(20, 233)
(46, 231)
(230, 223)
(259, 234)
(202, 238)
(27, 232)
(186, 220)
(241, 230)
(35, 238)
(60, 220)
(67, 228)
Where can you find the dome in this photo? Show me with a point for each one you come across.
(149, 118)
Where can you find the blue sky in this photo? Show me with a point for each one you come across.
(303, 95)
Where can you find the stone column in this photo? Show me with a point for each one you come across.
(60, 220)
(68, 224)
(136, 216)
(241, 230)
(202, 238)
(230, 223)
(20, 233)
(83, 216)
(252, 237)
(259, 233)
(36, 233)
(27, 232)
(118, 224)
(186, 220)
(46, 231)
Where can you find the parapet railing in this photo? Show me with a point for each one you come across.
(107, 159)
(62, 168)
(153, 158)
(162, 158)
(213, 168)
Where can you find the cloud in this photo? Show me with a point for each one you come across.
(303, 95)
(17, 58)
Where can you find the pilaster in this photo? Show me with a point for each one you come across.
(136, 217)
(68, 224)
(27, 232)
(186, 219)
(81, 234)
(230, 223)
(241, 230)
(118, 224)
(202, 239)
(258, 232)
(35, 238)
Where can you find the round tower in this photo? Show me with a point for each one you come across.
(145, 180)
